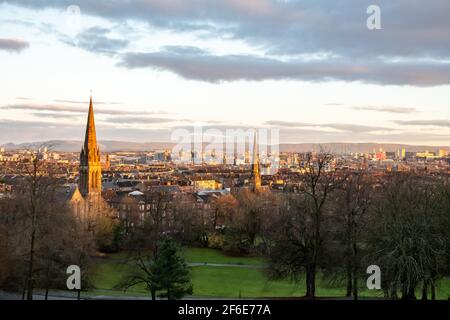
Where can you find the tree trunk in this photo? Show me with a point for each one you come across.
(311, 282)
(349, 280)
(433, 292)
(355, 287)
(394, 295)
(425, 292)
(409, 294)
(24, 291)
(352, 270)
(30, 268)
(308, 287)
(153, 291)
(30, 280)
(46, 293)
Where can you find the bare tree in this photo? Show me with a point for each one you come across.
(36, 193)
(353, 201)
(304, 222)
(39, 251)
(247, 221)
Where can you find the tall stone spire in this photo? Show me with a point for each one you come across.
(90, 138)
(90, 180)
(256, 175)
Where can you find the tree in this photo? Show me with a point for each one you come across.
(245, 227)
(188, 225)
(166, 272)
(353, 201)
(224, 210)
(407, 239)
(38, 251)
(163, 216)
(5, 260)
(108, 232)
(304, 223)
(170, 271)
(140, 273)
(442, 194)
(35, 193)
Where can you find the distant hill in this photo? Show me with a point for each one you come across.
(114, 146)
(75, 146)
(340, 148)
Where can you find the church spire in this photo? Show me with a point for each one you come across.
(255, 167)
(90, 180)
(90, 139)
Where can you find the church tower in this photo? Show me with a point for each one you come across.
(90, 180)
(256, 175)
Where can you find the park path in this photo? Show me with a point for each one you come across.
(232, 265)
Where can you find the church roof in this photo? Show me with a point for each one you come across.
(66, 193)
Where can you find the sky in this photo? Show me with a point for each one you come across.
(310, 68)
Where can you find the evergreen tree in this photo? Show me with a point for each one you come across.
(170, 272)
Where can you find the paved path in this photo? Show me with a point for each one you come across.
(233, 265)
(72, 296)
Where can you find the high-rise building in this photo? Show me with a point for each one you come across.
(90, 180)
(401, 154)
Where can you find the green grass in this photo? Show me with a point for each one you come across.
(226, 282)
(202, 255)
(252, 283)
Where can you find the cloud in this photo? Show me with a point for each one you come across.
(194, 63)
(30, 131)
(336, 126)
(7, 123)
(293, 27)
(24, 131)
(81, 102)
(96, 40)
(434, 123)
(334, 33)
(56, 115)
(76, 109)
(356, 128)
(387, 109)
(137, 120)
(13, 45)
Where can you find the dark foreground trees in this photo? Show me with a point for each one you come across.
(40, 236)
(339, 224)
(40, 241)
(409, 236)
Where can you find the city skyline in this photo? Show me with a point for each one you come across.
(155, 65)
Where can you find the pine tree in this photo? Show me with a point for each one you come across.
(170, 272)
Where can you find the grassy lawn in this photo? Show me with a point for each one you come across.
(202, 255)
(108, 273)
(226, 282)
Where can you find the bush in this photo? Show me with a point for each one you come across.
(216, 241)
